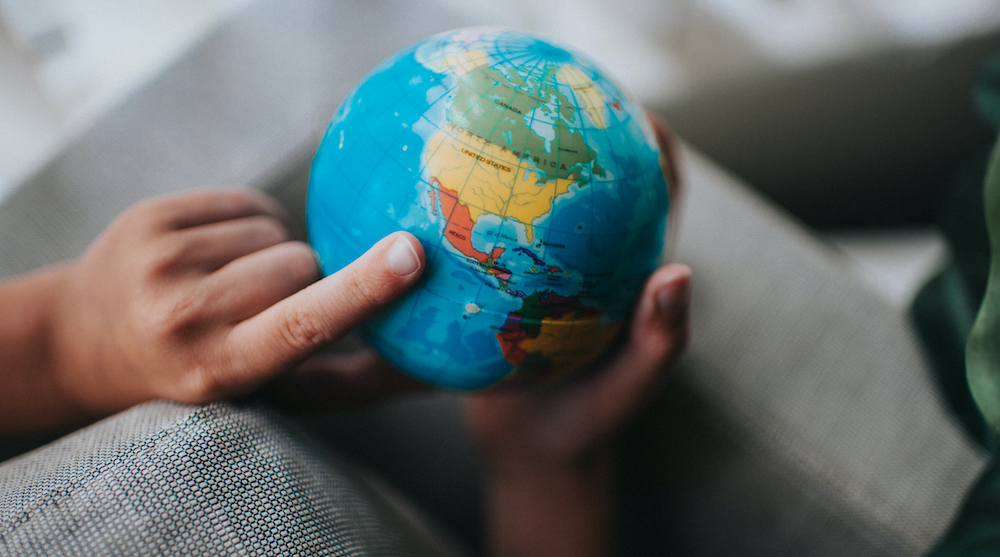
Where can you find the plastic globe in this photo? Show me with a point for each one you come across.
(534, 184)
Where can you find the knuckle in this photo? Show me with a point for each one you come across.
(136, 218)
(162, 259)
(271, 230)
(178, 317)
(303, 330)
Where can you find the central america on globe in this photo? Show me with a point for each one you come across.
(534, 183)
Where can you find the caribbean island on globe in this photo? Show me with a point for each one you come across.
(533, 182)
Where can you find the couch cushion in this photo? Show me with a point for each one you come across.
(804, 419)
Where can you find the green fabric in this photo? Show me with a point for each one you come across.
(943, 313)
(983, 351)
(944, 310)
(976, 530)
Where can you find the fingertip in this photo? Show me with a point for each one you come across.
(672, 288)
(405, 255)
(665, 303)
(661, 327)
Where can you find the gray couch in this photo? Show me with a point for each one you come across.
(802, 421)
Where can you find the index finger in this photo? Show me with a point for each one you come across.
(296, 327)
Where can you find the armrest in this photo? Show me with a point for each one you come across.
(169, 479)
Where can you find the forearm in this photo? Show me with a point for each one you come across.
(31, 397)
(551, 510)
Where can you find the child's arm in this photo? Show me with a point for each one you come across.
(194, 298)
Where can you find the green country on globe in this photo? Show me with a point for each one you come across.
(534, 184)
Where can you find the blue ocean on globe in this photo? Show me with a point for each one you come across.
(534, 183)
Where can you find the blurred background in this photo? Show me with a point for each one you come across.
(851, 114)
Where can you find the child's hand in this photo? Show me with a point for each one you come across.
(201, 296)
(565, 424)
(562, 425)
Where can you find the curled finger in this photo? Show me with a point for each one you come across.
(326, 382)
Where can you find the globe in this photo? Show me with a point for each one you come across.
(534, 184)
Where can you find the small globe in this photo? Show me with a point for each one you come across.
(534, 184)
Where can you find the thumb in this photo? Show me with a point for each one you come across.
(296, 327)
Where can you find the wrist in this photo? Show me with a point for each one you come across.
(35, 398)
(74, 336)
(547, 507)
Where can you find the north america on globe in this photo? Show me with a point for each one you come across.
(534, 184)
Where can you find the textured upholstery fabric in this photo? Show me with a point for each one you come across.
(165, 479)
(821, 421)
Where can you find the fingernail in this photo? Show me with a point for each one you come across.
(674, 294)
(402, 258)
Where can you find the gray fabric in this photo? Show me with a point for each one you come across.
(165, 479)
(822, 419)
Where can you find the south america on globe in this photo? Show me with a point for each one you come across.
(534, 183)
